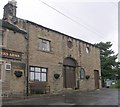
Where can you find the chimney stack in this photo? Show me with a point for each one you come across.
(13, 2)
(10, 11)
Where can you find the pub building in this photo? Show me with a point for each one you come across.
(38, 60)
(12, 59)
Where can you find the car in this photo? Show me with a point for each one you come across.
(114, 82)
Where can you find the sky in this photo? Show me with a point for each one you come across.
(89, 20)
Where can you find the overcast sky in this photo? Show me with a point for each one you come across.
(90, 20)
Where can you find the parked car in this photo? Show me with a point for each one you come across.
(114, 82)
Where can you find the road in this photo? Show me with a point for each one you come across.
(105, 96)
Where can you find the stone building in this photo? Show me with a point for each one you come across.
(36, 59)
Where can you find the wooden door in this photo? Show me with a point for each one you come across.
(96, 76)
(69, 77)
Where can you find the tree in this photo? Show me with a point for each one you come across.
(108, 60)
(118, 70)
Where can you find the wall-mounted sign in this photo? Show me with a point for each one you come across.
(7, 66)
(10, 54)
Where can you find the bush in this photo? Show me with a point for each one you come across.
(117, 85)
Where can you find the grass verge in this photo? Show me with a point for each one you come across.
(117, 85)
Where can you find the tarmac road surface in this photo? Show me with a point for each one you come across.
(105, 96)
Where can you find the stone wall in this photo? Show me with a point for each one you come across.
(53, 60)
(12, 85)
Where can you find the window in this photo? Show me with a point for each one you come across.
(82, 73)
(69, 43)
(44, 45)
(1, 37)
(38, 74)
(87, 49)
(1, 71)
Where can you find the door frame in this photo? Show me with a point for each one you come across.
(96, 79)
(71, 63)
(72, 76)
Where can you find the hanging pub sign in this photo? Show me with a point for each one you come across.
(10, 54)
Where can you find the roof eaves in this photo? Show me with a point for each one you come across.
(60, 33)
(10, 26)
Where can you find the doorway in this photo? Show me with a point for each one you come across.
(69, 73)
(69, 77)
(96, 76)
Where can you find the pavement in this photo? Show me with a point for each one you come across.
(105, 96)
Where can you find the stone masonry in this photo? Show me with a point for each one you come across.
(66, 56)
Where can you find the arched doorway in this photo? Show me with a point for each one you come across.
(69, 72)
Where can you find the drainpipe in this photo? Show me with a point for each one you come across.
(27, 60)
(27, 91)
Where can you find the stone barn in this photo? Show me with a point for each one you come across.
(36, 59)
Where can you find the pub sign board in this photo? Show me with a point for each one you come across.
(10, 54)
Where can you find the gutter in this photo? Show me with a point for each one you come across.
(11, 26)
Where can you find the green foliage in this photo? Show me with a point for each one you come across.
(116, 85)
(108, 60)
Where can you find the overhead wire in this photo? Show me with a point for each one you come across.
(93, 31)
(84, 26)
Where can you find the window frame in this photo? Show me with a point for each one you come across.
(87, 49)
(2, 64)
(45, 45)
(2, 36)
(82, 73)
(40, 78)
